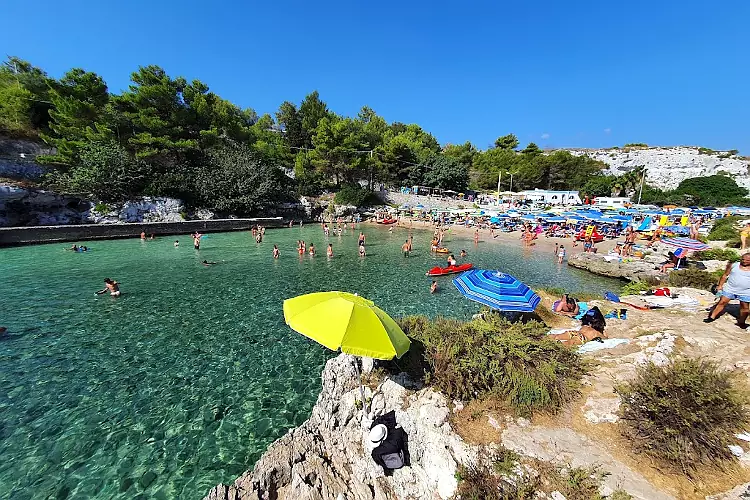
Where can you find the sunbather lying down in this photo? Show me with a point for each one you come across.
(592, 328)
(566, 305)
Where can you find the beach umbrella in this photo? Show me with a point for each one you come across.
(497, 290)
(556, 219)
(419, 206)
(686, 243)
(340, 320)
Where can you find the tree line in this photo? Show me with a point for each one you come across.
(166, 136)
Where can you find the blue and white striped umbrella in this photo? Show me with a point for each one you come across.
(497, 290)
(686, 243)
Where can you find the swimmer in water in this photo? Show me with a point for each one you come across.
(143, 235)
(110, 286)
(329, 251)
(73, 248)
(176, 243)
(275, 252)
(463, 253)
(312, 250)
(207, 263)
(405, 248)
(433, 287)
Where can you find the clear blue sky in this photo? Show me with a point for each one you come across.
(561, 73)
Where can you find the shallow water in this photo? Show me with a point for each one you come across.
(184, 380)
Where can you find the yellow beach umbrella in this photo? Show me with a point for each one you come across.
(341, 320)
(345, 321)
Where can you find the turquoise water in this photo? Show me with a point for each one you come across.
(184, 380)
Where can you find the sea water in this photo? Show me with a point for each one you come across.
(184, 380)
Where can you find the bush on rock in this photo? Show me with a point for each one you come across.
(514, 362)
(684, 414)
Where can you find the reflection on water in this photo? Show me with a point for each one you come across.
(183, 381)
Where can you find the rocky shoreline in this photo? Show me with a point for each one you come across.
(327, 456)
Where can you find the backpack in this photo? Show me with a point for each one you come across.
(393, 460)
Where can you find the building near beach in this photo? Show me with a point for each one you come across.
(552, 197)
(612, 202)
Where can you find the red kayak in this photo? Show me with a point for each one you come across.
(440, 271)
(387, 221)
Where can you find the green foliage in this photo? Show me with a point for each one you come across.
(356, 196)
(706, 151)
(718, 254)
(446, 173)
(693, 278)
(235, 179)
(711, 190)
(725, 229)
(636, 145)
(635, 288)
(514, 362)
(598, 185)
(488, 480)
(507, 142)
(685, 414)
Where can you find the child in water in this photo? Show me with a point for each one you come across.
(329, 252)
(433, 287)
(312, 250)
(561, 254)
(275, 252)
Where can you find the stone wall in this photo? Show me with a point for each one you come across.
(10, 236)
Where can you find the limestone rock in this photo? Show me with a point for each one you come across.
(635, 269)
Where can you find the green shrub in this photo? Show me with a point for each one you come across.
(357, 196)
(724, 229)
(684, 414)
(718, 254)
(693, 278)
(706, 151)
(635, 288)
(102, 208)
(636, 145)
(514, 362)
(492, 479)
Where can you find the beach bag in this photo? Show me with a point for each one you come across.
(662, 292)
(393, 460)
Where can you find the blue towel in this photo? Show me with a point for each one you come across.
(583, 308)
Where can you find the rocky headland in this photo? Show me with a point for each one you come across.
(327, 457)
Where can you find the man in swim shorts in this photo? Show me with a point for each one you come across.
(405, 248)
(110, 286)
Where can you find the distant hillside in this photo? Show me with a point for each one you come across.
(666, 167)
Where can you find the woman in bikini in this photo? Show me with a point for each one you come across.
(566, 306)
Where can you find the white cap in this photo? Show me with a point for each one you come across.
(378, 434)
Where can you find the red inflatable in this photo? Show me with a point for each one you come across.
(387, 221)
(440, 271)
(596, 236)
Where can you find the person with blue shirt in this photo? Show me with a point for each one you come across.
(734, 285)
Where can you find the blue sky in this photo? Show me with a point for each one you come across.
(561, 74)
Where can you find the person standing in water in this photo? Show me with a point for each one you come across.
(561, 254)
(275, 252)
(433, 287)
(312, 249)
(197, 241)
(176, 243)
(143, 235)
(405, 248)
(362, 251)
(361, 239)
(476, 236)
(110, 286)
(329, 251)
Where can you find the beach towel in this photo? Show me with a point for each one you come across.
(604, 344)
(583, 308)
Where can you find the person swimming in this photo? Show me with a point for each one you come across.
(451, 260)
(110, 286)
(275, 252)
(176, 243)
(433, 286)
(74, 248)
(207, 263)
(463, 253)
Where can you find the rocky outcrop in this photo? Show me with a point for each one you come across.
(630, 269)
(17, 158)
(667, 167)
(327, 457)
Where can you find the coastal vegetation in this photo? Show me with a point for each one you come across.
(684, 415)
(513, 362)
(725, 229)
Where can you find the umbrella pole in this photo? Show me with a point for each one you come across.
(359, 379)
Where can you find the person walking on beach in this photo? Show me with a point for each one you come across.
(561, 254)
(405, 248)
(275, 252)
(734, 285)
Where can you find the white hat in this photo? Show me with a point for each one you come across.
(378, 434)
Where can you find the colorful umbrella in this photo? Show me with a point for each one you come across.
(497, 290)
(340, 320)
(686, 243)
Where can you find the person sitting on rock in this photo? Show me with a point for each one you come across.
(388, 451)
(592, 329)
